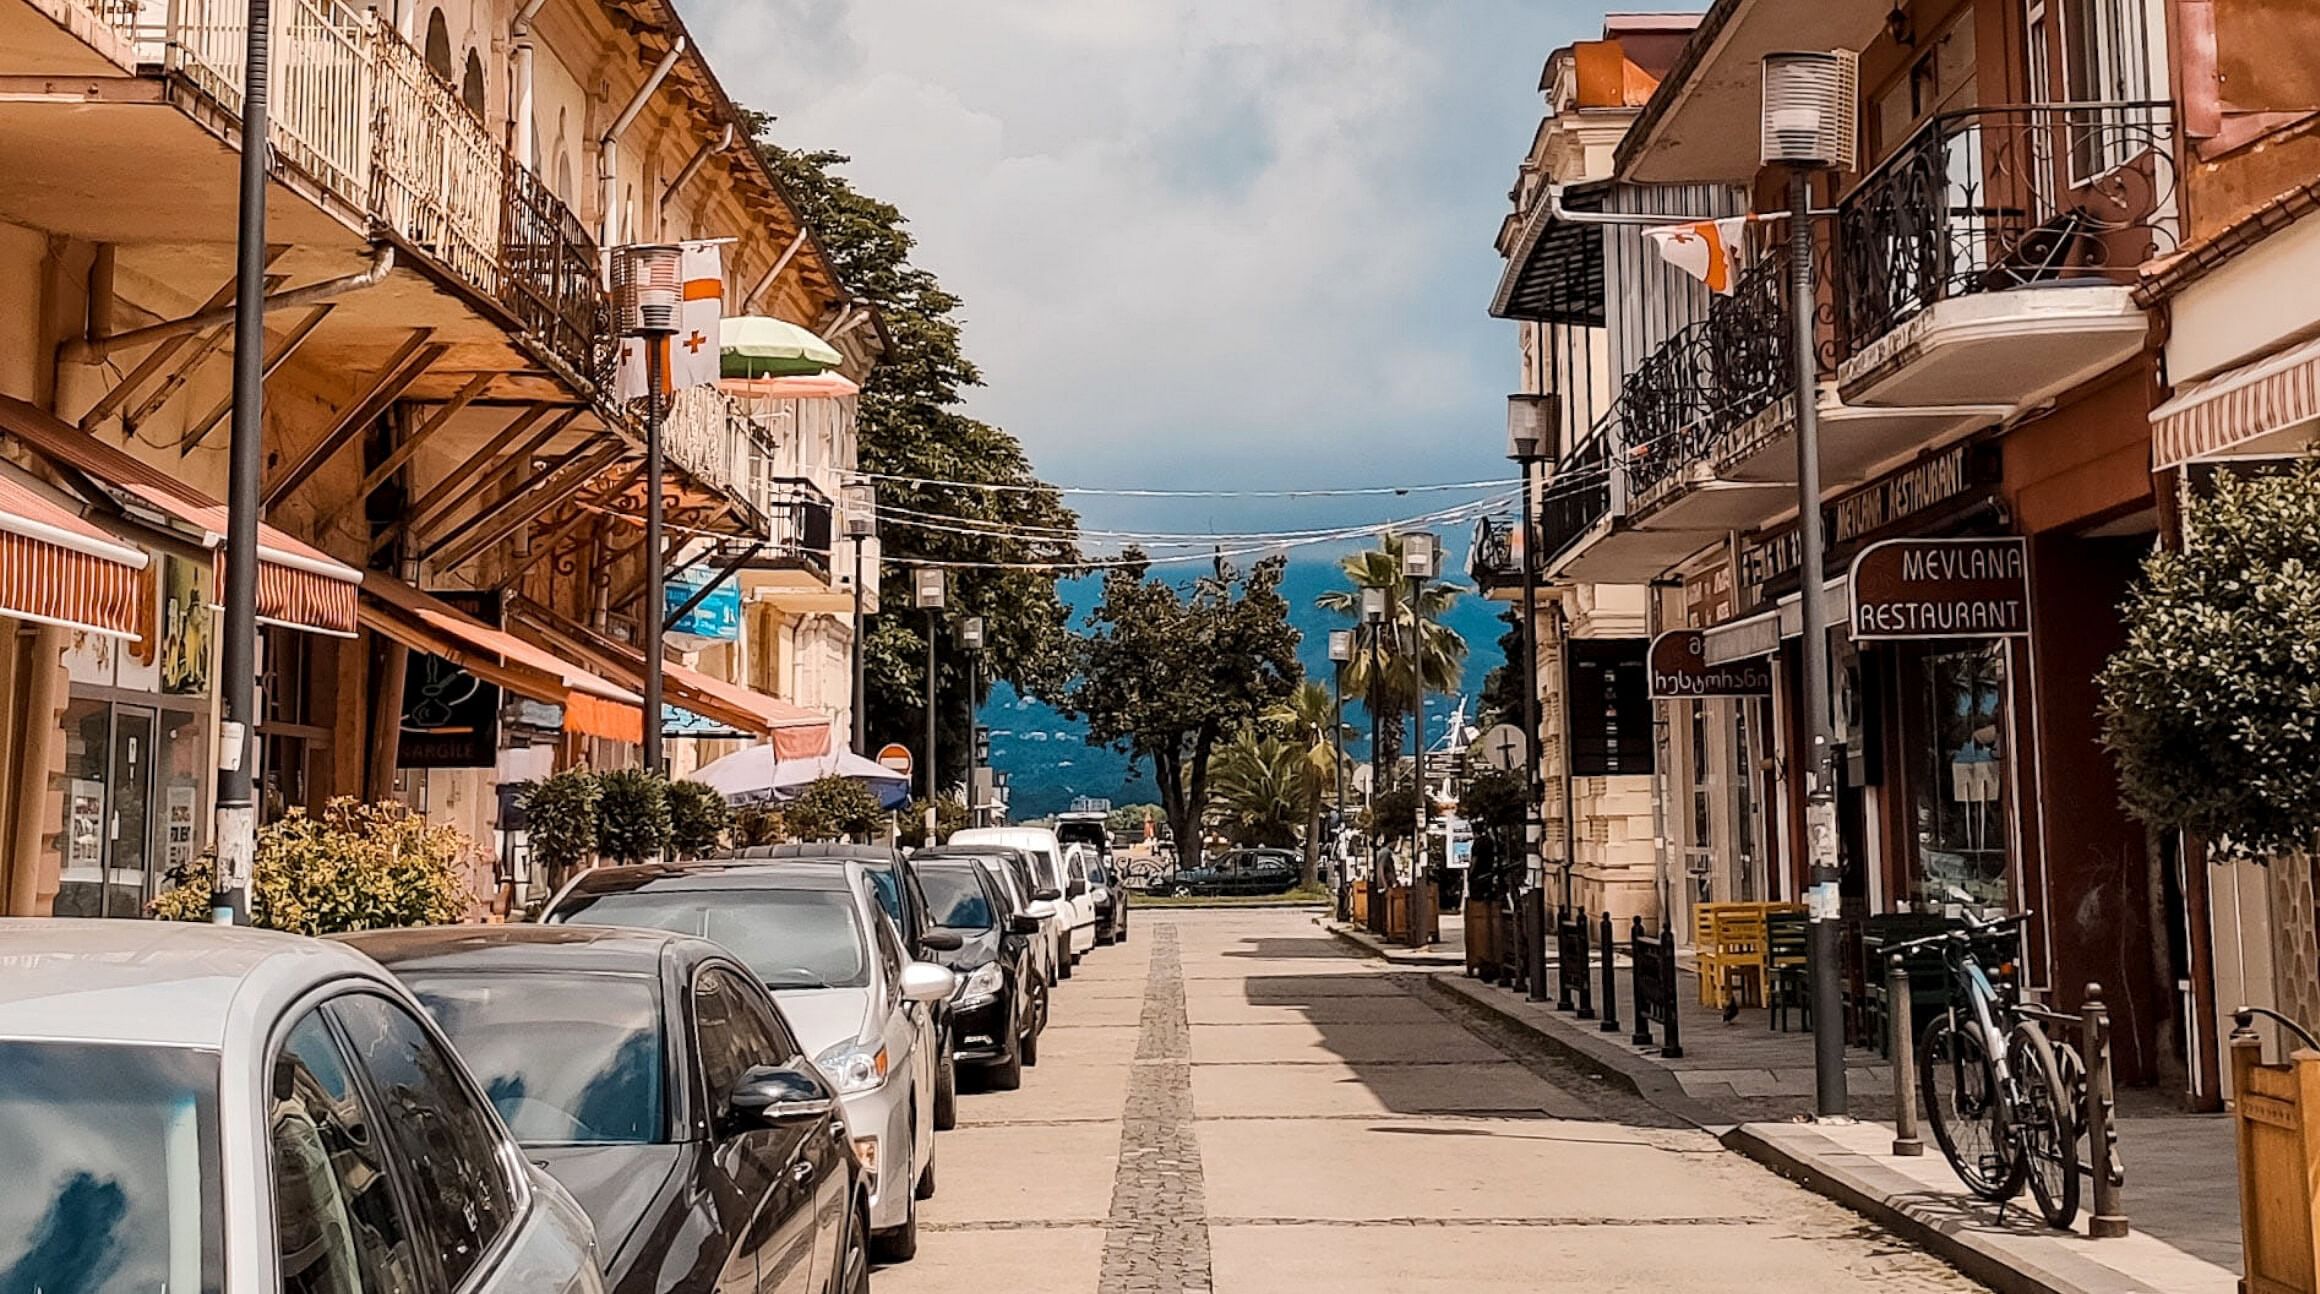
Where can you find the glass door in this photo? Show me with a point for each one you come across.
(129, 828)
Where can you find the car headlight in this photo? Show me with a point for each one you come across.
(980, 985)
(854, 1067)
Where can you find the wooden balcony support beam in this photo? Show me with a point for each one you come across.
(489, 527)
(158, 358)
(403, 368)
(482, 467)
(420, 435)
(277, 355)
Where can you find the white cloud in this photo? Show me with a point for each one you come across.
(1224, 243)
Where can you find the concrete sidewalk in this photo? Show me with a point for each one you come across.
(1449, 951)
(1749, 1085)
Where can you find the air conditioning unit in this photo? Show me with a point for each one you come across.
(1811, 109)
(648, 288)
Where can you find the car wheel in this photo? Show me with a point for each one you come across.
(1120, 936)
(1063, 958)
(946, 1095)
(898, 1244)
(1028, 1048)
(851, 1274)
(925, 1188)
(1007, 1075)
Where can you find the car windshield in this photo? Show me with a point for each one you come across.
(566, 1059)
(788, 938)
(955, 897)
(112, 1168)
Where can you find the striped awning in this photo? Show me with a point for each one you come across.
(57, 569)
(2217, 414)
(299, 585)
(592, 704)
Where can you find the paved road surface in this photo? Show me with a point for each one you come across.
(1231, 1103)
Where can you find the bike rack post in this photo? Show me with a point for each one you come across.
(1610, 978)
(1906, 1141)
(1562, 958)
(1672, 1036)
(1582, 968)
(1638, 962)
(2109, 1219)
(1535, 941)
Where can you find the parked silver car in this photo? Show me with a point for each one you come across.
(189, 1107)
(860, 1006)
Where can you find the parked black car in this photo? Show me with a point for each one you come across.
(653, 1076)
(995, 1017)
(1240, 871)
(1025, 886)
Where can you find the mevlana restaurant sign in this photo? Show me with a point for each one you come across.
(1942, 588)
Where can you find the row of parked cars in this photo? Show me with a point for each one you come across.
(723, 1075)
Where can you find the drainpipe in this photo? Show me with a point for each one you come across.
(692, 166)
(521, 120)
(608, 147)
(89, 350)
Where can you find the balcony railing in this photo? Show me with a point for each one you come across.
(1683, 405)
(549, 276)
(1492, 563)
(319, 111)
(1993, 199)
(438, 173)
(705, 435)
(802, 524)
(1578, 495)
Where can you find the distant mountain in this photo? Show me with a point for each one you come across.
(1048, 760)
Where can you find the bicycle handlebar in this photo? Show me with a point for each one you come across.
(1972, 929)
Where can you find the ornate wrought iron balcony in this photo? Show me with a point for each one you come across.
(1493, 563)
(1682, 405)
(1995, 199)
(1578, 496)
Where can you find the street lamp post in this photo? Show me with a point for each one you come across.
(1340, 653)
(1373, 615)
(861, 505)
(971, 641)
(648, 291)
(1421, 558)
(235, 820)
(1529, 428)
(1807, 127)
(930, 588)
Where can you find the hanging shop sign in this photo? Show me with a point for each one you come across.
(450, 717)
(1942, 588)
(1609, 685)
(716, 618)
(1905, 497)
(1680, 670)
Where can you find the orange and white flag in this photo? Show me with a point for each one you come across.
(1708, 250)
(689, 357)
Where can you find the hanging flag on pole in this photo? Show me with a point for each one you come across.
(690, 355)
(1708, 250)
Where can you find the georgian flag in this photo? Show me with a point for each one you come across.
(690, 356)
(1707, 250)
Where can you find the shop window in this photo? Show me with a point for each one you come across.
(1960, 787)
(292, 742)
(131, 790)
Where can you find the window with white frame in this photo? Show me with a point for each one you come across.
(2110, 56)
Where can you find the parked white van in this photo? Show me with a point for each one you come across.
(1077, 907)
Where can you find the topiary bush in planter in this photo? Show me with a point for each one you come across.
(354, 866)
(632, 815)
(560, 817)
(832, 808)
(699, 817)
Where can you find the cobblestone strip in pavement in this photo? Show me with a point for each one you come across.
(1156, 1237)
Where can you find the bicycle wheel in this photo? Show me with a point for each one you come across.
(2045, 1123)
(1958, 1085)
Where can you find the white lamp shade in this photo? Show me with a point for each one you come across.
(1420, 557)
(859, 503)
(1373, 605)
(930, 587)
(648, 288)
(971, 633)
(1811, 102)
(1530, 425)
(1341, 645)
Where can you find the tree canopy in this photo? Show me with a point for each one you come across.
(1169, 674)
(2212, 708)
(910, 426)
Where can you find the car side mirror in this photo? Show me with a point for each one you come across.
(1078, 889)
(942, 941)
(927, 982)
(777, 1096)
(1023, 923)
(1047, 894)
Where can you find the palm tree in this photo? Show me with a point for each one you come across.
(1309, 720)
(1441, 655)
(1258, 787)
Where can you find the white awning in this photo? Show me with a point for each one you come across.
(1761, 633)
(2213, 415)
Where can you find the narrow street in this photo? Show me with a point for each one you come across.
(1233, 1102)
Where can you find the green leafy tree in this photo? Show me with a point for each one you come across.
(1261, 789)
(832, 808)
(632, 815)
(699, 817)
(950, 814)
(1170, 674)
(560, 819)
(1502, 688)
(1126, 822)
(2212, 708)
(1397, 685)
(911, 432)
(1496, 803)
(352, 867)
(1309, 719)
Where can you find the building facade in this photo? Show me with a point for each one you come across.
(452, 572)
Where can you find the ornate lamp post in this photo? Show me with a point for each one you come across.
(1530, 423)
(861, 506)
(1373, 615)
(1421, 559)
(971, 642)
(1340, 654)
(930, 588)
(648, 292)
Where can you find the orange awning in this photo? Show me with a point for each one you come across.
(299, 585)
(803, 386)
(58, 569)
(592, 704)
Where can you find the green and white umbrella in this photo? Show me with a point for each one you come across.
(762, 346)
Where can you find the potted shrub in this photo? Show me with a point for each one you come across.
(352, 867)
(699, 818)
(632, 816)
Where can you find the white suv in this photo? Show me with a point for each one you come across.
(1076, 912)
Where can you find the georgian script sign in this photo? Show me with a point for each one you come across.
(1942, 588)
(1680, 670)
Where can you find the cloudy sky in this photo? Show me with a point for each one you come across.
(1222, 244)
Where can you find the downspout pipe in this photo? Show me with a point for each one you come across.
(692, 167)
(608, 147)
(520, 121)
(89, 350)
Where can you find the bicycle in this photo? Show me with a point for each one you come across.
(1998, 1092)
